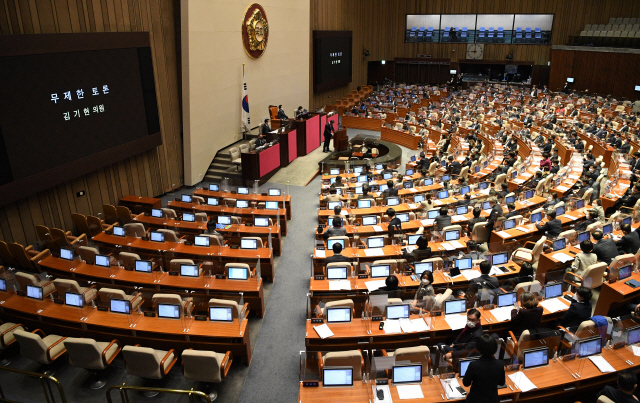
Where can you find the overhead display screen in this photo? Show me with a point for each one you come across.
(332, 59)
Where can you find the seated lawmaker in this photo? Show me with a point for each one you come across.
(281, 114)
(583, 259)
(553, 227)
(261, 140)
(630, 241)
(527, 317)
(485, 280)
(336, 230)
(605, 248)
(422, 251)
(469, 334)
(580, 309)
(425, 289)
(337, 256)
(299, 111)
(627, 384)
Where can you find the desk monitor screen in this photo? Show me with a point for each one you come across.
(238, 273)
(529, 194)
(224, 219)
(243, 191)
(221, 314)
(358, 190)
(34, 292)
(626, 220)
(624, 272)
(143, 266)
(499, 258)
(271, 205)
(387, 176)
(120, 306)
(66, 254)
(485, 164)
(486, 206)
(156, 212)
(189, 270)
(514, 174)
(589, 346)
(330, 243)
(333, 204)
(633, 335)
(421, 267)
(73, 299)
(332, 181)
(407, 184)
(336, 273)
(552, 291)
(413, 239)
(3, 284)
(407, 374)
(536, 217)
(261, 222)
(465, 190)
(214, 187)
(463, 364)
(338, 191)
(212, 201)
(188, 217)
(460, 210)
(452, 235)
(443, 194)
(607, 229)
(380, 271)
(393, 201)
(579, 203)
(483, 185)
(507, 299)
(201, 241)
(156, 236)
(476, 169)
(432, 214)
(364, 203)
(337, 376)
(455, 306)
(244, 203)
(397, 311)
(369, 220)
(103, 260)
(428, 182)
(570, 79)
(362, 178)
(187, 198)
(379, 166)
(559, 211)
(169, 311)
(413, 158)
(403, 217)
(334, 171)
(409, 172)
(446, 178)
(510, 199)
(583, 236)
(453, 71)
(357, 170)
(443, 163)
(508, 224)
(464, 264)
(338, 315)
(536, 357)
(559, 244)
(248, 244)
(637, 87)
(383, 187)
(118, 231)
(375, 242)
(275, 192)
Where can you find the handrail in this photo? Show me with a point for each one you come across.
(46, 386)
(124, 398)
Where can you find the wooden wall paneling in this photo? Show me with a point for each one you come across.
(15, 224)
(94, 194)
(35, 210)
(26, 220)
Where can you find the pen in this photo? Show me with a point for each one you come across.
(510, 387)
(442, 396)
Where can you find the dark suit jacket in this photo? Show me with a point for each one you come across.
(629, 243)
(633, 198)
(469, 335)
(512, 214)
(454, 168)
(394, 226)
(390, 192)
(525, 319)
(281, 114)
(336, 259)
(553, 227)
(333, 231)
(578, 312)
(606, 250)
(477, 282)
(442, 221)
(484, 376)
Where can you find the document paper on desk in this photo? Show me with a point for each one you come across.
(523, 229)
(636, 350)
(570, 217)
(336, 285)
(521, 380)
(502, 314)
(504, 234)
(456, 244)
(410, 392)
(419, 325)
(323, 331)
(456, 322)
(450, 387)
(374, 252)
(428, 222)
(602, 364)
(374, 285)
(392, 326)
(407, 325)
(562, 257)
(320, 253)
(386, 394)
(377, 228)
(554, 305)
(447, 246)
(470, 274)
(457, 218)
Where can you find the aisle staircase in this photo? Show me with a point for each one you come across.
(221, 166)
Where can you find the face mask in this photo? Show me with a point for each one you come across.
(470, 324)
(425, 282)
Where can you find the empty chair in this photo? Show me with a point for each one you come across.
(500, 35)
(350, 358)
(6, 336)
(198, 200)
(169, 213)
(25, 279)
(39, 347)
(26, 258)
(481, 33)
(110, 214)
(464, 33)
(490, 33)
(44, 236)
(148, 363)
(237, 311)
(124, 215)
(105, 295)
(64, 240)
(527, 34)
(518, 34)
(530, 255)
(201, 217)
(170, 235)
(81, 224)
(592, 278)
(92, 355)
(88, 253)
(538, 34)
(244, 148)
(234, 153)
(175, 299)
(5, 255)
(415, 355)
(250, 273)
(129, 259)
(174, 264)
(206, 366)
(65, 285)
(257, 239)
(339, 303)
(135, 229)
(96, 225)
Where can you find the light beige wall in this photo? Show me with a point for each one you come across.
(212, 57)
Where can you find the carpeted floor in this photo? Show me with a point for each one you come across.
(301, 170)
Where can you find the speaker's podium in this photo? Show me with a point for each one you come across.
(308, 134)
(260, 164)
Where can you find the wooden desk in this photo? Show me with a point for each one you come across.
(260, 164)
(251, 197)
(205, 287)
(147, 203)
(244, 213)
(355, 122)
(408, 140)
(152, 332)
(613, 295)
(167, 251)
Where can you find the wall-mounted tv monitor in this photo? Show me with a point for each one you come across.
(331, 59)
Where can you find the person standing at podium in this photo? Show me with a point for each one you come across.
(328, 130)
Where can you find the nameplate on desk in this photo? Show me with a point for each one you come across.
(187, 243)
(128, 268)
(317, 320)
(108, 232)
(58, 301)
(103, 308)
(376, 318)
(319, 277)
(435, 313)
(145, 238)
(234, 246)
(150, 314)
(362, 246)
(173, 273)
(220, 276)
(20, 293)
(382, 381)
(310, 384)
(363, 276)
(201, 318)
(619, 345)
